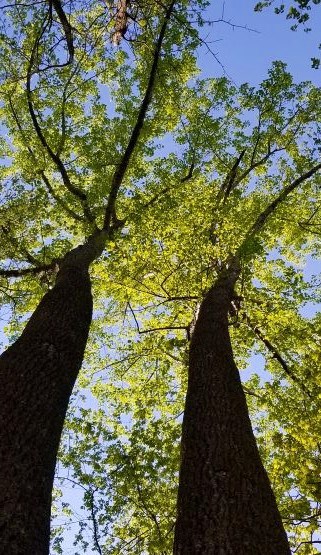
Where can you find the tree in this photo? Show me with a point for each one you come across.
(178, 218)
(160, 277)
(225, 501)
(39, 370)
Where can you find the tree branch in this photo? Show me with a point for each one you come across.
(76, 191)
(45, 179)
(18, 245)
(66, 27)
(276, 355)
(258, 163)
(164, 328)
(229, 181)
(27, 271)
(122, 168)
(187, 177)
(59, 200)
(93, 511)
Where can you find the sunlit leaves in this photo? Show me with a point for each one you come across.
(209, 159)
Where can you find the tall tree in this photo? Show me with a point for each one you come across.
(225, 501)
(70, 159)
(39, 370)
(163, 272)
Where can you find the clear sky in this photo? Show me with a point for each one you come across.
(247, 55)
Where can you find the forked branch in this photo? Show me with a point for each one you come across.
(76, 191)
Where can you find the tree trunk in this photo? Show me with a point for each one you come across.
(37, 374)
(225, 501)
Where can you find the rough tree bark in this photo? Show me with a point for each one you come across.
(225, 502)
(37, 374)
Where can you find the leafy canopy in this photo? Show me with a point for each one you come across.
(209, 159)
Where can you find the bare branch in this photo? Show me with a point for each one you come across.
(311, 542)
(164, 328)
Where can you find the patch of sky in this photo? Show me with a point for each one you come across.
(5, 315)
(105, 97)
(247, 42)
(256, 365)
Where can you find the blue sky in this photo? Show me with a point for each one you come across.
(247, 55)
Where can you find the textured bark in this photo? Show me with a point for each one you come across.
(37, 374)
(225, 502)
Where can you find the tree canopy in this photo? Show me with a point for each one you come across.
(106, 116)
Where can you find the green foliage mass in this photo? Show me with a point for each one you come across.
(209, 160)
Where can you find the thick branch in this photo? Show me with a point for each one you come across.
(39, 269)
(122, 168)
(66, 27)
(257, 164)
(229, 182)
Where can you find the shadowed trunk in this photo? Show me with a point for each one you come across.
(225, 502)
(37, 374)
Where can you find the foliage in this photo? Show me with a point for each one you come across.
(209, 159)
